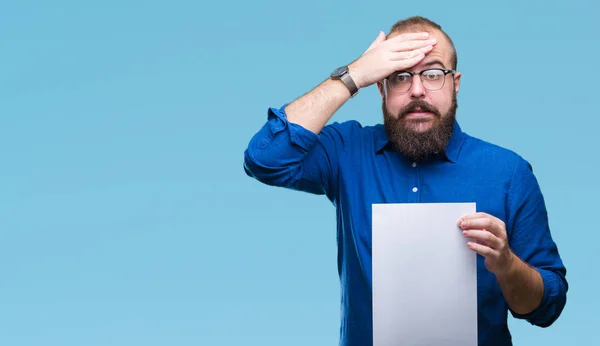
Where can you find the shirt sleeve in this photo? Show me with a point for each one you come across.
(285, 154)
(530, 239)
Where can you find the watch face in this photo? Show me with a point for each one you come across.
(339, 71)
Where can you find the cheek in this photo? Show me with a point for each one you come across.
(446, 105)
(394, 105)
(441, 102)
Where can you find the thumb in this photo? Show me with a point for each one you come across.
(380, 38)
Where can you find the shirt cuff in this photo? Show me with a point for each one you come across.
(299, 136)
(277, 148)
(552, 301)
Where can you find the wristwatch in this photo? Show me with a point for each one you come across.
(343, 74)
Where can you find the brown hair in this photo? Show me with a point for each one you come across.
(424, 24)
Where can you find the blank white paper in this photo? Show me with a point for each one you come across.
(424, 276)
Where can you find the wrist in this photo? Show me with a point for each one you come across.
(343, 75)
(510, 268)
(354, 72)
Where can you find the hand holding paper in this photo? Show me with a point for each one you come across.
(522, 285)
(490, 242)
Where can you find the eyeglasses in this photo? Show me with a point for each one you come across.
(432, 79)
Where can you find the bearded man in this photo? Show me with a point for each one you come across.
(418, 155)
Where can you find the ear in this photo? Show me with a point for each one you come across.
(382, 89)
(457, 76)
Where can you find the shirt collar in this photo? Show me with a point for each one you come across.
(452, 150)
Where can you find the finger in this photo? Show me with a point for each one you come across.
(380, 38)
(483, 250)
(484, 237)
(486, 223)
(409, 36)
(411, 54)
(476, 223)
(405, 46)
(408, 63)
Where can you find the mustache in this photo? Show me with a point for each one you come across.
(421, 106)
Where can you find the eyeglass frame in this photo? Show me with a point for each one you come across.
(420, 73)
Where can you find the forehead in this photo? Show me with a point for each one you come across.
(441, 51)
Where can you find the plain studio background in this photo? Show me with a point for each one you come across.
(126, 218)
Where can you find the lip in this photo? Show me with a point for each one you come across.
(419, 114)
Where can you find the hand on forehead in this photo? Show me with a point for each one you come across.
(441, 52)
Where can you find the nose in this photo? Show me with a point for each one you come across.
(417, 90)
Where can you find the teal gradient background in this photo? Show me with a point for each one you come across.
(125, 214)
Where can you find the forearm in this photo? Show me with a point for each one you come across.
(314, 109)
(522, 286)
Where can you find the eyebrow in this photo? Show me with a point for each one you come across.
(434, 62)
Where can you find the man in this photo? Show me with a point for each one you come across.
(419, 154)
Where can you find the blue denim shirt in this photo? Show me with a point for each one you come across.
(354, 166)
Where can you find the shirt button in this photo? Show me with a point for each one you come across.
(415, 189)
(414, 164)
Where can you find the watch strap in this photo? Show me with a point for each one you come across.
(349, 82)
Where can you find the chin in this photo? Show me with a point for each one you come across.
(420, 125)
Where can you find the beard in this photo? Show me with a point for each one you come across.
(414, 144)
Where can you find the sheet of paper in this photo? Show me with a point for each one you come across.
(424, 276)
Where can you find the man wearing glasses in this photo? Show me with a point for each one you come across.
(418, 155)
